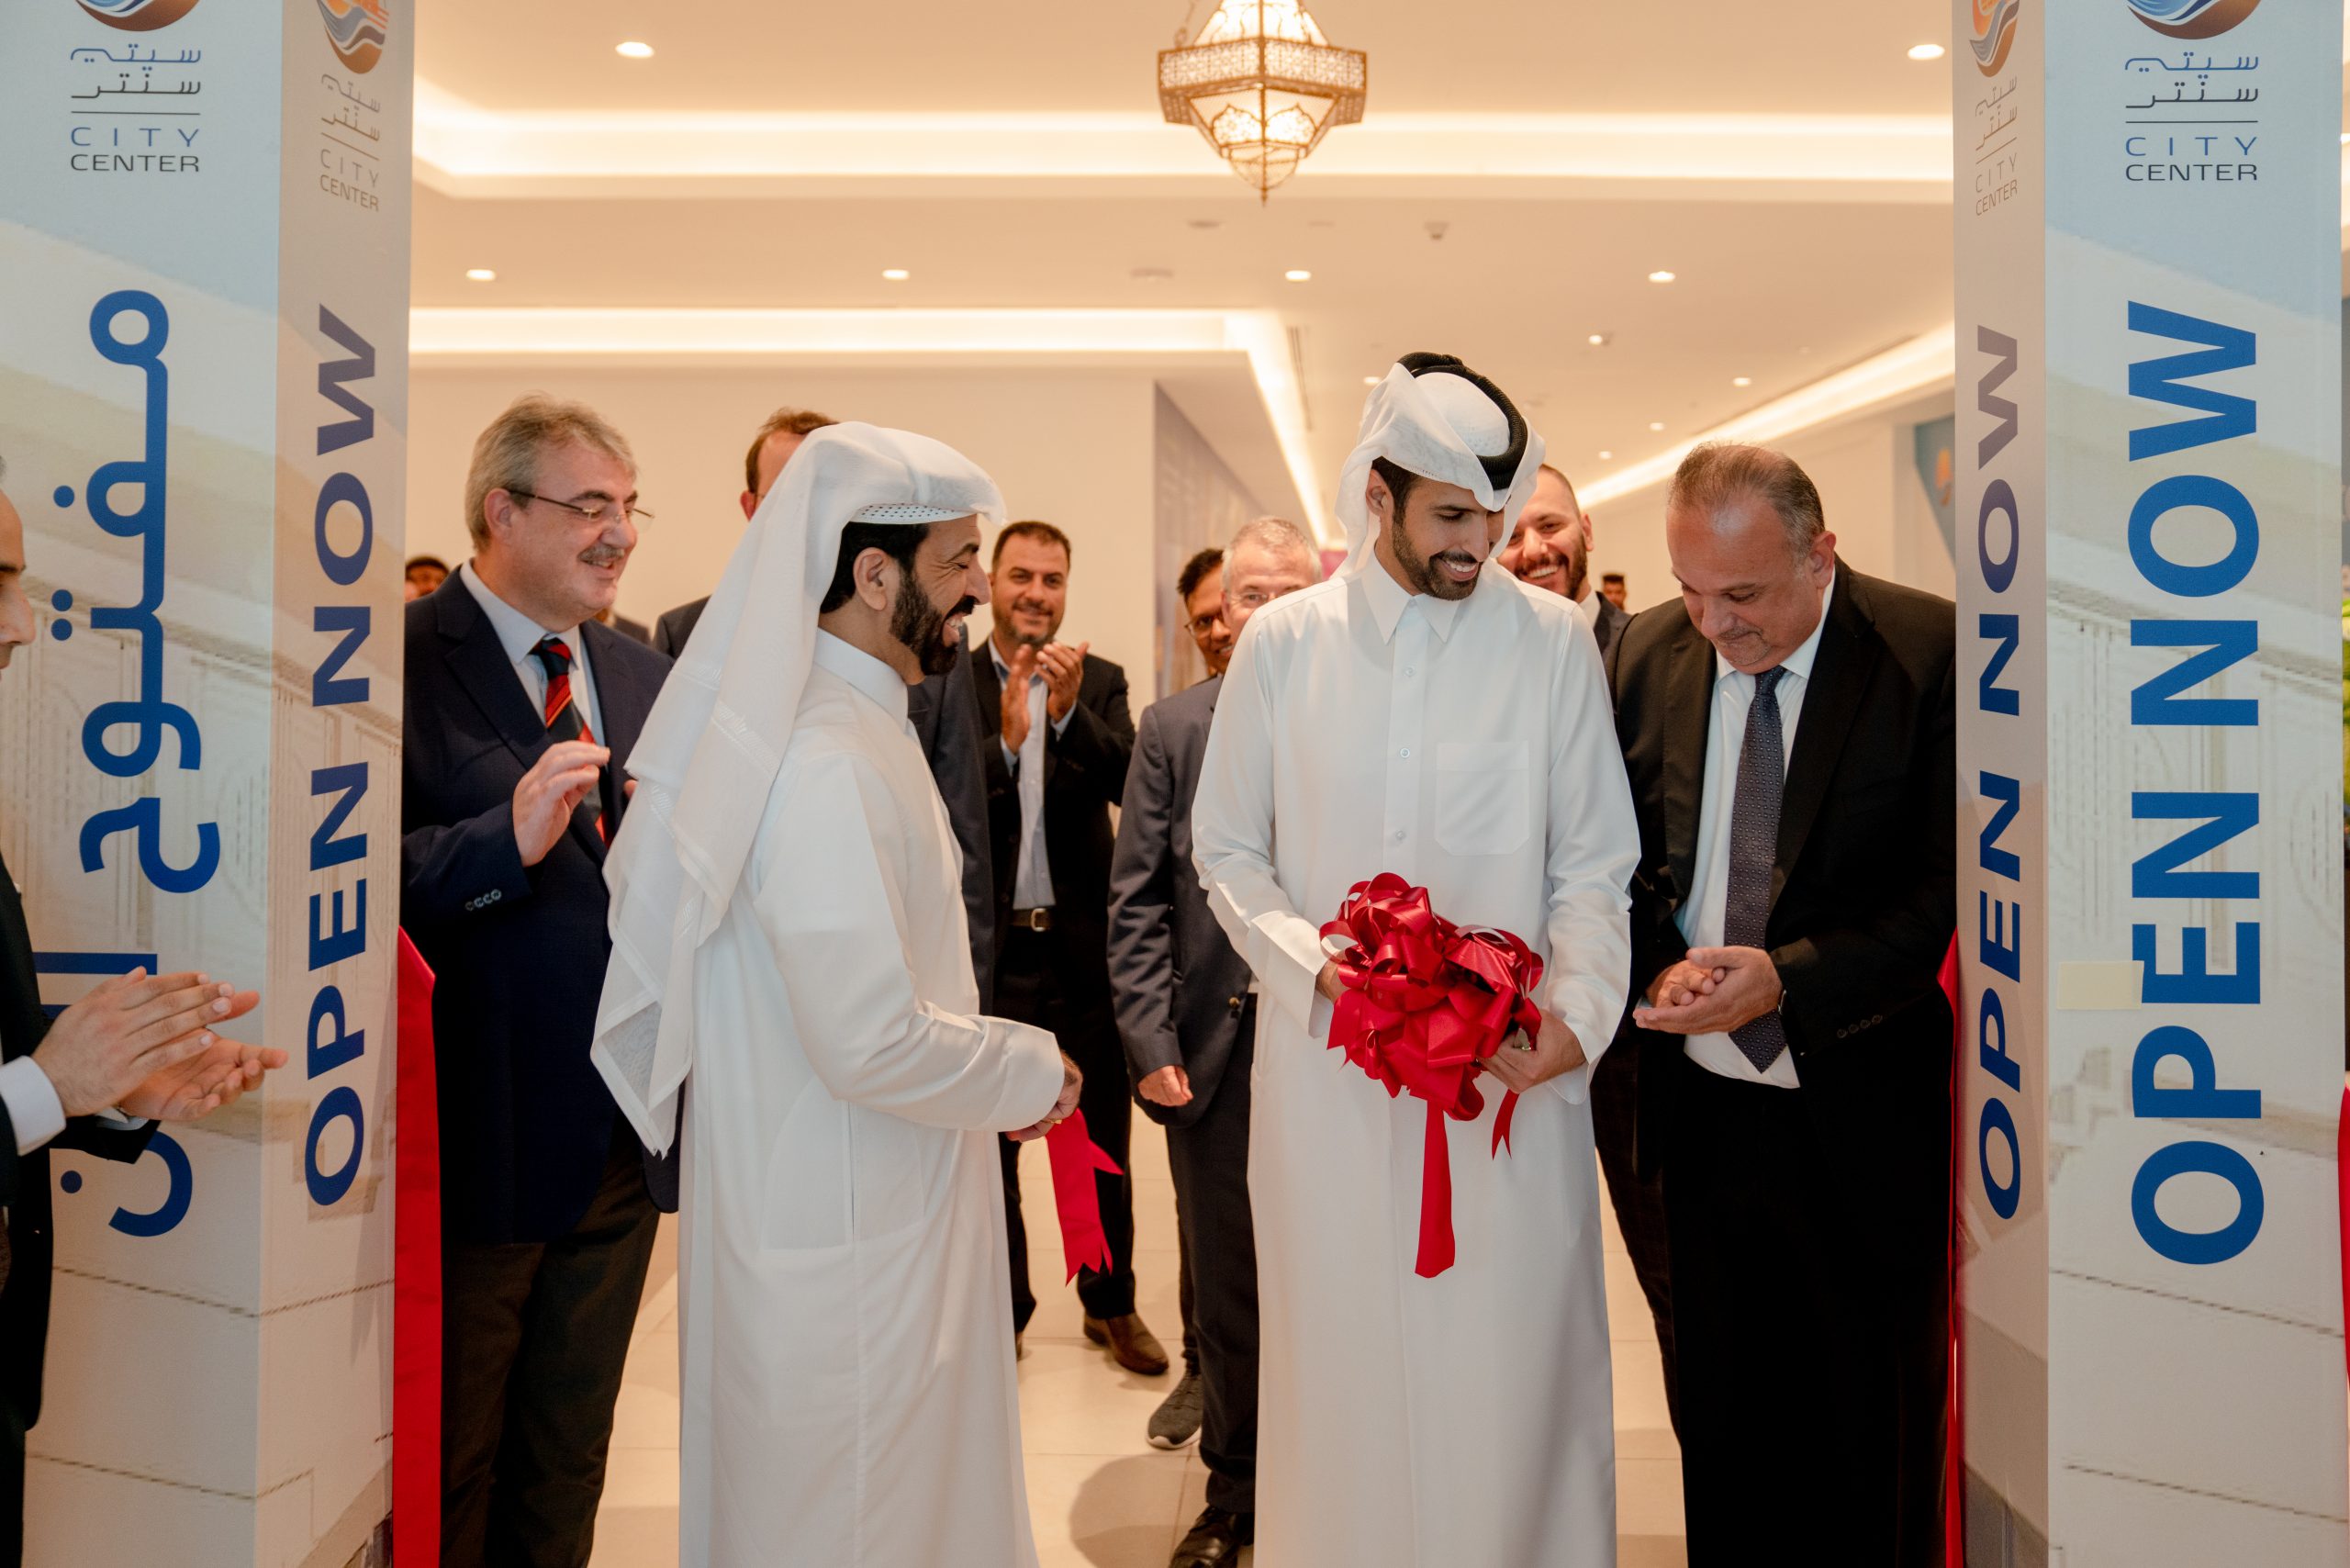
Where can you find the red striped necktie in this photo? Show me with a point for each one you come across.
(564, 721)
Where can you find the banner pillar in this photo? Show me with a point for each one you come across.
(204, 231)
(2150, 916)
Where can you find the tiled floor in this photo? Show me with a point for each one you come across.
(1101, 1497)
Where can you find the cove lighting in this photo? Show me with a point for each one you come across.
(632, 49)
(1298, 274)
(481, 274)
(1925, 52)
(1660, 277)
(896, 275)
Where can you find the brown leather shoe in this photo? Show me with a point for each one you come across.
(1131, 1342)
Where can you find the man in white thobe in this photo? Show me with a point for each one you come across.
(1425, 713)
(788, 936)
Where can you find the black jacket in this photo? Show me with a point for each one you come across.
(945, 712)
(670, 631)
(1085, 775)
(24, 1179)
(1179, 986)
(1863, 893)
(517, 953)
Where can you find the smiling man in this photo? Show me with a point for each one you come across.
(519, 706)
(1550, 548)
(789, 937)
(1788, 727)
(1424, 714)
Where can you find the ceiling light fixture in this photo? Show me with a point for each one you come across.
(1661, 276)
(632, 49)
(1298, 274)
(481, 274)
(896, 275)
(1741, 381)
(1597, 339)
(1605, 455)
(1656, 424)
(1925, 52)
(1263, 84)
(1371, 381)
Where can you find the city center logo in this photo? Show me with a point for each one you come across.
(137, 15)
(1995, 33)
(2191, 19)
(356, 28)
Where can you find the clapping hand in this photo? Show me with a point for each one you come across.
(1064, 673)
(146, 1043)
(1021, 665)
(561, 778)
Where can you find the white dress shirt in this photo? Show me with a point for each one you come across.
(1031, 880)
(1589, 604)
(34, 1110)
(1702, 915)
(518, 634)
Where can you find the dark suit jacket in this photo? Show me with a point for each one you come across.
(1863, 892)
(634, 630)
(1179, 986)
(945, 712)
(1085, 775)
(24, 1179)
(1609, 626)
(669, 632)
(517, 953)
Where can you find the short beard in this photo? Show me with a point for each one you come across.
(1421, 572)
(922, 626)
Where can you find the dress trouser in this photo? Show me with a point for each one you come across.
(1029, 989)
(1814, 1348)
(1209, 1160)
(12, 1484)
(1639, 1203)
(534, 1335)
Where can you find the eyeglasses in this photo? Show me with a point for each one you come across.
(1201, 625)
(1250, 600)
(601, 515)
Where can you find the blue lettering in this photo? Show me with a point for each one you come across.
(2194, 983)
(338, 1103)
(1998, 1118)
(2166, 496)
(2201, 1098)
(1994, 1057)
(332, 374)
(344, 490)
(334, 942)
(2224, 642)
(343, 1047)
(349, 779)
(2004, 632)
(2008, 792)
(352, 620)
(1999, 940)
(1998, 498)
(2002, 410)
(2224, 814)
(2211, 1159)
(2230, 347)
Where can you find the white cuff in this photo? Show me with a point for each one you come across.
(34, 1110)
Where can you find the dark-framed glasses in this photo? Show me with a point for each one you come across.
(603, 513)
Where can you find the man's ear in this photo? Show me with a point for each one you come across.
(1376, 495)
(876, 577)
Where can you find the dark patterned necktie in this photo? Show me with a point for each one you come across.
(1753, 850)
(564, 722)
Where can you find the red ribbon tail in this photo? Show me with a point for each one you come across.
(1076, 1198)
(1501, 1122)
(1436, 1201)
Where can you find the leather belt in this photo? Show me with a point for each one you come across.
(1033, 919)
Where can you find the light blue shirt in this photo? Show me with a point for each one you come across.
(1031, 880)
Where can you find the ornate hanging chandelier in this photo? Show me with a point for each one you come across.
(1263, 85)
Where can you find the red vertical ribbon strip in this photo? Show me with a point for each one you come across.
(1076, 1197)
(416, 1275)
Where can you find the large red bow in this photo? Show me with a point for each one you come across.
(1425, 1001)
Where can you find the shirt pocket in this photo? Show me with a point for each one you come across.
(1484, 796)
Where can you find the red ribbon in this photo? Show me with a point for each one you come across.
(1425, 1001)
(1076, 1157)
(416, 1288)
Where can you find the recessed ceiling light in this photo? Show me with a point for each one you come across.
(481, 274)
(1656, 424)
(1371, 381)
(632, 49)
(1298, 274)
(1607, 456)
(1741, 381)
(1597, 339)
(896, 275)
(1925, 52)
(1660, 276)
(2345, 139)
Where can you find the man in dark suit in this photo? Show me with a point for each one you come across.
(1789, 732)
(1550, 548)
(522, 709)
(1058, 739)
(136, 1049)
(1188, 1014)
(771, 448)
(945, 712)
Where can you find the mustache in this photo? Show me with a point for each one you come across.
(1461, 557)
(964, 607)
(602, 556)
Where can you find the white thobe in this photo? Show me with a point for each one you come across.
(848, 1394)
(1469, 746)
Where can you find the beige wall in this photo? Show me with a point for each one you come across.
(1073, 447)
(1868, 482)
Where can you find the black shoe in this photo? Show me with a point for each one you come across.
(1215, 1538)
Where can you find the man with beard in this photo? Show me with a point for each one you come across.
(1550, 548)
(787, 935)
(1058, 743)
(519, 707)
(1422, 714)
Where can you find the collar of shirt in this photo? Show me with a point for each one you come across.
(1798, 664)
(862, 670)
(1004, 670)
(1388, 601)
(517, 633)
(1589, 606)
